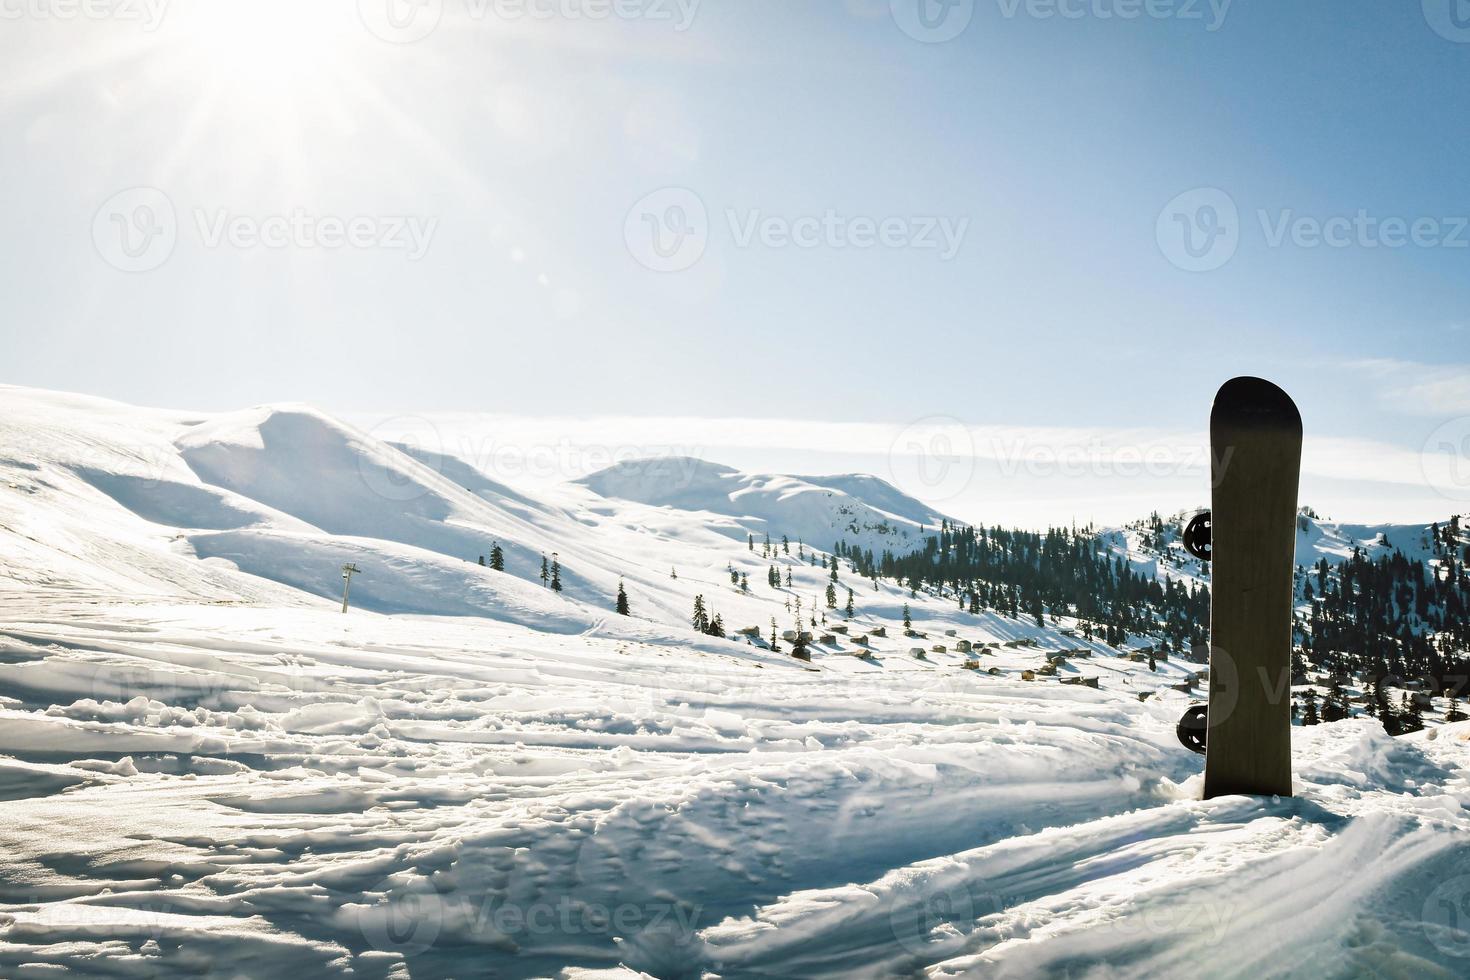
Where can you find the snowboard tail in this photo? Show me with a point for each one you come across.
(1255, 444)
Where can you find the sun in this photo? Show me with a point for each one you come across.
(269, 46)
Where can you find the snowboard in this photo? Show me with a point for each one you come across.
(1255, 464)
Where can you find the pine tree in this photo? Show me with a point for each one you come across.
(1335, 706)
(1389, 718)
(848, 610)
(775, 647)
(673, 573)
(1453, 713)
(1309, 698)
(744, 582)
(545, 571)
(908, 622)
(831, 596)
(555, 574)
(750, 541)
(788, 578)
(482, 561)
(622, 599)
(497, 558)
(716, 626)
(700, 619)
(1410, 719)
(785, 545)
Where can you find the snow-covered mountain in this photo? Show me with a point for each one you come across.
(207, 769)
(819, 510)
(1155, 546)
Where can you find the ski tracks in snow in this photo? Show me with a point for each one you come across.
(401, 797)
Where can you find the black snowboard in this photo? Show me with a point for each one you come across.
(1256, 451)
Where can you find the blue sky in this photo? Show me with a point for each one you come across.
(502, 167)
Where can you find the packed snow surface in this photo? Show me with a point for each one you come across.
(206, 769)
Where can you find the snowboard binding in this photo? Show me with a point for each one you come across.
(1197, 536)
(1192, 728)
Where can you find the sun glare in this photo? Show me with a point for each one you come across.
(266, 44)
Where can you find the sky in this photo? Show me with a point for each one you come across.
(812, 229)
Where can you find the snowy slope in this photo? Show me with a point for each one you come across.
(243, 791)
(1160, 552)
(207, 770)
(859, 510)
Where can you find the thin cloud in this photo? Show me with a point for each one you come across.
(1414, 388)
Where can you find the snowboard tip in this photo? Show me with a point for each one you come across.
(1255, 401)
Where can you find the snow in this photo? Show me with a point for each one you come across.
(860, 510)
(206, 769)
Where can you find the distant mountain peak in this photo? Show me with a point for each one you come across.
(857, 508)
